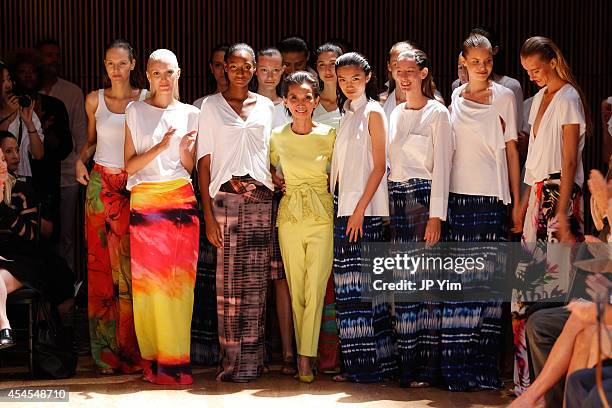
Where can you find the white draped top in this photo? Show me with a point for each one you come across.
(479, 165)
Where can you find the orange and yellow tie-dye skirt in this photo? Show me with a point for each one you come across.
(164, 231)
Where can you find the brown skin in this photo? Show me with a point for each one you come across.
(240, 68)
(294, 61)
(543, 73)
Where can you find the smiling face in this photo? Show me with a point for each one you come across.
(540, 71)
(269, 70)
(326, 66)
(478, 63)
(409, 76)
(217, 68)
(118, 65)
(10, 149)
(301, 100)
(240, 68)
(352, 80)
(163, 77)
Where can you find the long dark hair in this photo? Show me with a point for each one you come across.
(327, 47)
(135, 77)
(428, 87)
(358, 60)
(548, 50)
(2, 96)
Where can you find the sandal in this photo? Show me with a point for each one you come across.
(289, 366)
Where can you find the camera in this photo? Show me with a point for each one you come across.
(24, 101)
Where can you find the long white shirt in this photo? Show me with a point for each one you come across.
(72, 97)
(280, 116)
(515, 86)
(479, 165)
(110, 134)
(331, 118)
(237, 147)
(389, 105)
(421, 145)
(24, 168)
(545, 153)
(352, 160)
(148, 125)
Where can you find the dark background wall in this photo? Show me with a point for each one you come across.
(191, 28)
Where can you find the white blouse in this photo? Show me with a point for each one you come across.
(24, 168)
(237, 147)
(545, 152)
(110, 130)
(352, 160)
(148, 124)
(515, 86)
(331, 118)
(479, 165)
(421, 145)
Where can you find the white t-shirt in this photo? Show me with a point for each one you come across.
(545, 153)
(480, 166)
(148, 124)
(198, 102)
(389, 105)
(421, 145)
(72, 97)
(110, 134)
(24, 168)
(321, 115)
(352, 160)
(280, 116)
(515, 86)
(237, 147)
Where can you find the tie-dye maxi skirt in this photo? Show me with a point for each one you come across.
(417, 324)
(471, 330)
(367, 347)
(111, 319)
(164, 232)
(243, 209)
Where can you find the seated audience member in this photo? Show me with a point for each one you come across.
(561, 339)
(25, 262)
(606, 125)
(26, 69)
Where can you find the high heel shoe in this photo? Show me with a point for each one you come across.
(6, 338)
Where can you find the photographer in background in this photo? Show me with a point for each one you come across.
(26, 70)
(18, 117)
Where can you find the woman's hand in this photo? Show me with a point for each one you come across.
(213, 231)
(165, 142)
(82, 175)
(278, 181)
(187, 141)
(600, 190)
(354, 226)
(433, 231)
(12, 102)
(26, 115)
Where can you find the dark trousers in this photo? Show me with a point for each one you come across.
(582, 388)
(542, 329)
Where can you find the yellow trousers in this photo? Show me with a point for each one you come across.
(307, 248)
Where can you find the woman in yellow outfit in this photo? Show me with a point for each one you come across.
(302, 150)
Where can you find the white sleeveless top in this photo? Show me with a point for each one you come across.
(110, 130)
(390, 105)
(352, 161)
(148, 125)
